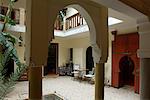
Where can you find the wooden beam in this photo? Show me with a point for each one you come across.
(142, 6)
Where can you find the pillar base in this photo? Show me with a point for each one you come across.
(99, 82)
(35, 83)
(145, 79)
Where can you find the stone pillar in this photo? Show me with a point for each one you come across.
(100, 52)
(145, 79)
(35, 83)
(144, 54)
(37, 23)
(99, 81)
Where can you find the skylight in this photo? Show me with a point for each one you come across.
(113, 21)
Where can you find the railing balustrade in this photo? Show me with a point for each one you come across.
(74, 21)
(70, 22)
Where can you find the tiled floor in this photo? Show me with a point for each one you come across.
(72, 90)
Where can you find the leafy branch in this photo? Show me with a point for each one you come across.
(7, 42)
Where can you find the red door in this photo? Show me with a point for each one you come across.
(125, 45)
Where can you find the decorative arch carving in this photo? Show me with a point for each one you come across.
(95, 15)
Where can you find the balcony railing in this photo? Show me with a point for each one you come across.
(74, 21)
(70, 22)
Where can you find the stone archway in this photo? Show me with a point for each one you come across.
(98, 36)
(41, 16)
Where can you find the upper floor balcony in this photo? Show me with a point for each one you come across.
(65, 25)
(71, 25)
(18, 15)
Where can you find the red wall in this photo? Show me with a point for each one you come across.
(127, 44)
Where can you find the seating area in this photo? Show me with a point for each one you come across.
(77, 72)
(65, 70)
(90, 77)
(80, 74)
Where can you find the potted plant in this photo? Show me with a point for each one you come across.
(8, 52)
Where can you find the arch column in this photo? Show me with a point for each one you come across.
(36, 44)
(144, 54)
(96, 16)
(41, 16)
(100, 53)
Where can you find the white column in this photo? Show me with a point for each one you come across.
(22, 16)
(144, 54)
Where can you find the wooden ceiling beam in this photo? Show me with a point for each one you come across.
(142, 6)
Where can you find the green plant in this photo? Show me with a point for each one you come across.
(8, 52)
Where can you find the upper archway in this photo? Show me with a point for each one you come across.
(40, 26)
(93, 19)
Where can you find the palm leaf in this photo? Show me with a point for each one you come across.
(8, 41)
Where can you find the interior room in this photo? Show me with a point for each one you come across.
(79, 61)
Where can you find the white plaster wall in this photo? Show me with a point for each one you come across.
(79, 46)
(84, 58)
(63, 55)
(20, 49)
(108, 65)
(82, 42)
(71, 12)
(78, 56)
(63, 51)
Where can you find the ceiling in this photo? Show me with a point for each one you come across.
(132, 11)
(127, 26)
(141, 5)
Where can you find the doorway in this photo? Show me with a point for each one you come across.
(126, 66)
(89, 60)
(52, 60)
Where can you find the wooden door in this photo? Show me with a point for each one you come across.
(127, 44)
(52, 60)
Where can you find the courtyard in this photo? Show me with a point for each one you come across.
(71, 89)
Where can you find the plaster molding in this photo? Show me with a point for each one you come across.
(144, 32)
(144, 35)
(143, 53)
(142, 19)
(96, 51)
(144, 27)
